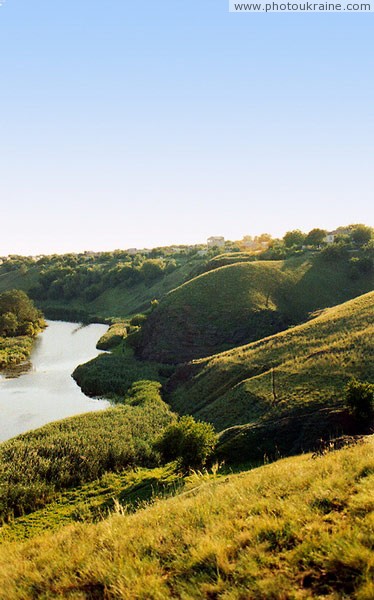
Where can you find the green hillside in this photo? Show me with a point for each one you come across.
(295, 372)
(243, 302)
(104, 286)
(298, 528)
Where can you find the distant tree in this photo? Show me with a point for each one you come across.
(359, 398)
(188, 441)
(264, 237)
(315, 237)
(361, 234)
(171, 265)
(294, 238)
(8, 324)
(335, 251)
(18, 303)
(152, 268)
(276, 251)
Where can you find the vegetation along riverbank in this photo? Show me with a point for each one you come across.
(20, 323)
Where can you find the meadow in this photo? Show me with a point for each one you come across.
(298, 528)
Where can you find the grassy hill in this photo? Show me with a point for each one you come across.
(242, 302)
(298, 528)
(77, 287)
(293, 373)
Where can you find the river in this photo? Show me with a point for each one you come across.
(46, 391)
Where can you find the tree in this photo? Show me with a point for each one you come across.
(294, 238)
(315, 237)
(152, 268)
(18, 303)
(359, 397)
(16, 311)
(188, 441)
(264, 237)
(361, 234)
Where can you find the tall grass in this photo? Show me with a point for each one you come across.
(35, 465)
(112, 374)
(299, 528)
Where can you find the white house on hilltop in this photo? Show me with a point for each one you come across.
(330, 237)
(215, 241)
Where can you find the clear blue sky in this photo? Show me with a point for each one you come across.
(148, 122)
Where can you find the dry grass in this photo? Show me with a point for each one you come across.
(299, 528)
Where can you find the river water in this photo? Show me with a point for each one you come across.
(47, 392)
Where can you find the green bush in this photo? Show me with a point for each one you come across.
(138, 320)
(359, 397)
(188, 441)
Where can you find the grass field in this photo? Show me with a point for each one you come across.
(243, 302)
(92, 502)
(295, 529)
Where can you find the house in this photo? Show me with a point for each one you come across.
(215, 242)
(330, 237)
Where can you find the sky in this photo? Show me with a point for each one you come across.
(140, 123)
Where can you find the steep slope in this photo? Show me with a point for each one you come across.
(304, 367)
(243, 302)
(298, 528)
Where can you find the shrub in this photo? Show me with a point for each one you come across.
(359, 397)
(188, 441)
(138, 320)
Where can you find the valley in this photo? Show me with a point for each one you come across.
(273, 352)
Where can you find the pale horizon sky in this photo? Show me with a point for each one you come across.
(142, 124)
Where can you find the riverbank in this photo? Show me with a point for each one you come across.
(15, 350)
(20, 324)
(45, 391)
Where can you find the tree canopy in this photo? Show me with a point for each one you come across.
(18, 315)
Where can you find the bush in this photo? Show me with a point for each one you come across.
(188, 441)
(359, 397)
(138, 320)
